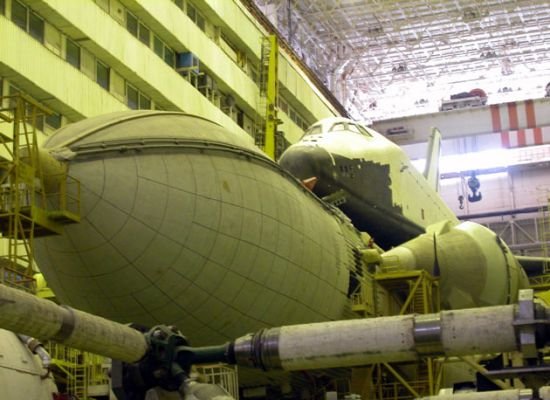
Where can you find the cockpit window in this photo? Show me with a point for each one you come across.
(314, 130)
(353, 128)
(363, 131)
(339, 126)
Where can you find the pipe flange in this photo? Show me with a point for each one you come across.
(525, 323)
(427, 335)
(67, 325)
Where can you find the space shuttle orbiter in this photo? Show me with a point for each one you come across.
(370, 178)
(374, 183)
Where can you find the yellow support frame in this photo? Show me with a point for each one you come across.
(272, 90)
(24, 200)
(19, 188)
(417, 292)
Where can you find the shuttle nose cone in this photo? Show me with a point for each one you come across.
(306, 162)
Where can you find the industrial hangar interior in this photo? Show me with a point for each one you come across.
(274, 199)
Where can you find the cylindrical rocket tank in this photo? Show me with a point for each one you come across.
(186, 223)
(475, 266)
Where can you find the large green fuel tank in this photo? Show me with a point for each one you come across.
(475, 266)
(186, 223)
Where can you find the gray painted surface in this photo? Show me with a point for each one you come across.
(20, 372)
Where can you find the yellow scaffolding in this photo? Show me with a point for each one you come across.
(544, 229)
(83, 374)
(416, 292)
(269, 89)
(31, 204)
(541, 283)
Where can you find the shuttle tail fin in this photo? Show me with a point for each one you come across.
(431, 171)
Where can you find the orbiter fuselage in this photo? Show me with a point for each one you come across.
(371, 178)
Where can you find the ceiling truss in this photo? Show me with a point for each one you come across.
(385, 58)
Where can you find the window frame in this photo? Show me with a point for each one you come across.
(169, 53)
(70, 59)
(131, 87)
(38, 35)
(40, 120)
(191, 12)
(99, 81)
(158, 44)
(29, 20)
(53, 121)
(313, 130)
(143, 98)
(338, 127)
(363, 130)
(15, 4)
(141, 29)
(131, 29)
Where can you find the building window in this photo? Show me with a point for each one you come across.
(163, 51)
(131, 24)
(144, 35)
(138, 29)
(137, 100)
(53, 121)
(158, 47)
(36, 27)
(72, 53)
(179, 3)
(39, 121)
(19, 14)
(2, 7)
(196, 17)
(102, 75)
(191, 12)
(144, 102)
(169, 56)
(132, 97)
(201, 23)
(27, 20)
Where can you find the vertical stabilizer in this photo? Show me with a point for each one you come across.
(431, 171)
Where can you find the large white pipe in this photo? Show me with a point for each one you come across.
(386, 339)
(24, 313)
(511, 394)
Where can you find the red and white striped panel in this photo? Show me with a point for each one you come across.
(517, 124)
(525, 137)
